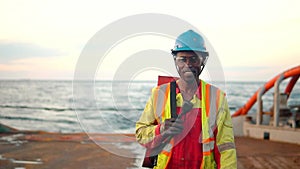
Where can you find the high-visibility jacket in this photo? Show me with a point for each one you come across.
(217, 134)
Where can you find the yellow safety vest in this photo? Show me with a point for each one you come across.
(215, 115)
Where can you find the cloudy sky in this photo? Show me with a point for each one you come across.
(254, 40)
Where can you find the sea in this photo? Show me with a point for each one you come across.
(100, 107)
(111, 107)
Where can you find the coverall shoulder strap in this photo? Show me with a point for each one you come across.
(173, 99)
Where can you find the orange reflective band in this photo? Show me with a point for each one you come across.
(202, 164)
(208, 140)
(207, 153)
(207, 102)
(218, 98)
(166, 153)
(165, 100)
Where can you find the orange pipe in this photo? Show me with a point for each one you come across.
(291, 85)
(288, 73)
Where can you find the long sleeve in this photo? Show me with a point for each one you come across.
(225, 153)
(147, 127)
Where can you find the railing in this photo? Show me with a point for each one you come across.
(294, 73)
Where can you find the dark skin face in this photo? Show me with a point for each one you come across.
(188, 65)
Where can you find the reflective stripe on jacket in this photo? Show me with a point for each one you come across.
(217, 134)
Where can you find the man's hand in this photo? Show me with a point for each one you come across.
(171, 127)
(174, 126)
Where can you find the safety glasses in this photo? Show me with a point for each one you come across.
(194, 60)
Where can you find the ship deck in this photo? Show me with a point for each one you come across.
(33, 150)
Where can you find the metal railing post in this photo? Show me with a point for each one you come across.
(259, 113)
(277, 100)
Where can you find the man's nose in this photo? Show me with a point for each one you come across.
(188, 62)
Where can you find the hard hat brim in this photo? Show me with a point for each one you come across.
(189, 50)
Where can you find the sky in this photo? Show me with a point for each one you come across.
(254, 40)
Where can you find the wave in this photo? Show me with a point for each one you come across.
(36, 119)
(36, 108)
(70, 109)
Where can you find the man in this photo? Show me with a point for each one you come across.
(201, 136)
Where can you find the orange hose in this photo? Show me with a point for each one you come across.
(288, 73)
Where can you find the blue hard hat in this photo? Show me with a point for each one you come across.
(190, 41)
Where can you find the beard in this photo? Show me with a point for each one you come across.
(190, 75)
